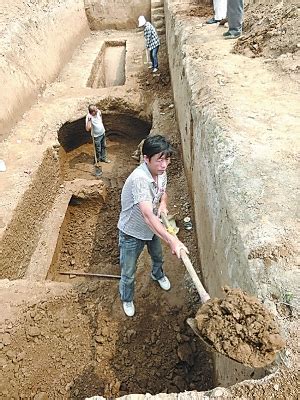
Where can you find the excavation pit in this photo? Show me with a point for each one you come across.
(155, 351)
(64, 337)
(72, 134)
(109, 66)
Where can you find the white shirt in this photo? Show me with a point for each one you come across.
(97, 124)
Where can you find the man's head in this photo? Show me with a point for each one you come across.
(93, 109)
(141, 21)
(157, 152)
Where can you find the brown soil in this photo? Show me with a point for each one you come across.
(240, 327)
(70, 339)
(98, 349)
(278, 386)
(155, 351)
(78, 342)
(273, 32)
(159, 82)
(194, 9)
(203, 11)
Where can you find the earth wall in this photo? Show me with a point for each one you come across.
(116, 14)
(38, 39)
(238, 218)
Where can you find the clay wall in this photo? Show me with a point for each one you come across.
(38, 40)
(115, 14)
(207, 153)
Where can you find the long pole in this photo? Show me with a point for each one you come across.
(204, 296)
(90, 274)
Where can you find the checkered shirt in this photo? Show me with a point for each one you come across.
(151, 37)
(140, 186)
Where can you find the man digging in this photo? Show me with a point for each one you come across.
(143, 199)
(94, 124)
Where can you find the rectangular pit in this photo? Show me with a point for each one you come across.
(109, 67)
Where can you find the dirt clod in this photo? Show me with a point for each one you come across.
(240, 327)
(272, 32)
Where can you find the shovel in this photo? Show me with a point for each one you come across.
(204, 296)
(169, 223)
(147, 62)
(98, 170)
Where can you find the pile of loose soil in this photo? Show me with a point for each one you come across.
(194, 9)
(159, 82)
(201, 11)
(240, 327)
(269, 31)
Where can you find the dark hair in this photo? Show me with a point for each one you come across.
(91, 107)
(157, 144)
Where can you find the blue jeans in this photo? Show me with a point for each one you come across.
(100, 147)
(153, 57)
(130, 250)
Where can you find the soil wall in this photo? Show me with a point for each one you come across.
(115, 14)
(230, 218)
(21, 237)
(39, 38)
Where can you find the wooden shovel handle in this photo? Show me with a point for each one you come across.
(204, 296)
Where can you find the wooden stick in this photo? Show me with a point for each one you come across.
(204, 296)
(89, 274)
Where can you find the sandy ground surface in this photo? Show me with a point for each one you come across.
(69, 338)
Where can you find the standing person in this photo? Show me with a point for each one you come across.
(235, 15)
(94, 124)
(143, 199)
(220, 8)
(152, 41)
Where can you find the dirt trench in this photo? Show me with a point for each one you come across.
(65, 336)
(156, 351)
(69, 337)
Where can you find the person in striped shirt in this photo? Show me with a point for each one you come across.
(151, 39)
(143, 199)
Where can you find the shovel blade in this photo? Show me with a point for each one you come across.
(98, 172)
(172, 223)
(193, 324)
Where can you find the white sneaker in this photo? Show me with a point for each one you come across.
(128, 308)
(164, 282)
(155, 70)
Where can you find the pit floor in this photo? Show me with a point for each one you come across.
(74, 340)
(155, 351)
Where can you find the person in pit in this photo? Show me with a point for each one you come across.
(143, 199)
(94, 124)
(151, 40)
